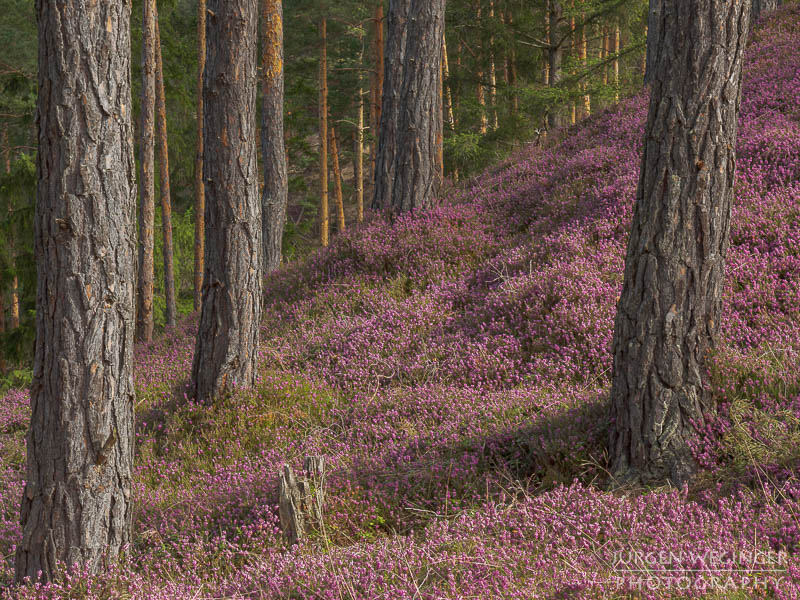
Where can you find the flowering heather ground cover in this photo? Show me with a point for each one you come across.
(454, 370)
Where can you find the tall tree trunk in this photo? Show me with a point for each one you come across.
(324, 216)
(512, 69)
(586, 109)
(199, 184)
(392, 83)
(227, 337)
(492, 73)
(144, 293)
(358, 158)
(171, 311)
(450, 114)
(669, 312)
(337, 181)
(605, 53)
(554, 57)
(14, 322)
(276, 185)
(417, 177)
(376, 87)
(480, 91)
(76, 507)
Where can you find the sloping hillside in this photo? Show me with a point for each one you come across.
(454, 370)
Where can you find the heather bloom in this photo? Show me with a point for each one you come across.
(454, 370)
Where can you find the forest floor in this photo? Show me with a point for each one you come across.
(454, 371)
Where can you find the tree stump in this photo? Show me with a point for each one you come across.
(301, 499)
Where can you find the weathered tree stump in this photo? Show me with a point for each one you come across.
(301, 499)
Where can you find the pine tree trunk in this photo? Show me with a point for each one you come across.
(273, 152)
(605, 53)
(586, 109)
(512, 70)
(492, 73)
(14, 323)
(227, 338)
(337, 181)
(76, 507)
(324, 213)
(171, 311)
(572, 53)
(358, 158)
(417, 176)
(199, 184)
(378, 75)
(450, 114)
(146, 276)
(392, 83)
(554, 57)
(669, 312)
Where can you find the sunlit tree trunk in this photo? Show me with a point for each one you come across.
(275, 196)
(76, 506)
(226, 353)
(144, 295)
(449, 113)
(492, 73)
(166, 203)
(358, 158)
(337, 181)
(669, 312)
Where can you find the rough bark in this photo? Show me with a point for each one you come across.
(417, 177)
(273, 152)
(669, 312)
(555, 54)
(199, 185)
(171, 312)
(227, 337)
(480, 92)
(392, 84)
(324, 212)
(337, 181)
(147, 206)
(76, 507)
(301, 500)
(654, 33)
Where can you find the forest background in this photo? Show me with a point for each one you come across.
(514, 69)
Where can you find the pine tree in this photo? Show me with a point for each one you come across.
(227, 337)
(669, 312)
(76, 507)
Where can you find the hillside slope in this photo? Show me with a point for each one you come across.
(454, 370)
